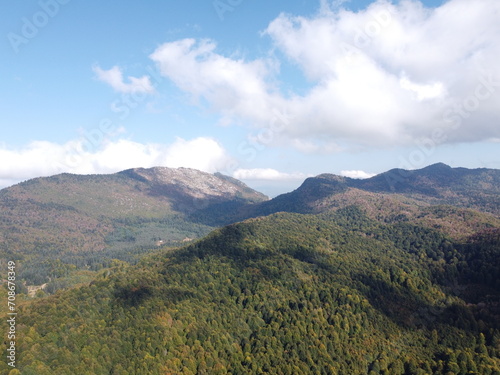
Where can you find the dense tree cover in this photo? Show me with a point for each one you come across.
(441, 184)
(86, 221)
(336, 293)
(131, 238)
(397, 190)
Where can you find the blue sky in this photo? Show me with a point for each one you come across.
(268, 92)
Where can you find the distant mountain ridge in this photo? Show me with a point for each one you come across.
(457, 201)
(86, 219)
(193, 183)
(437, 180)
(477, 189)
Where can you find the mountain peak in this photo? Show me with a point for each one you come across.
(323, 184)
(331, 177)
(438, 166)
(439, 169)
(194, 183)
(435, 184)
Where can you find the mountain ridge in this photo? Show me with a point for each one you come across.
(205, 184)
(87, 220)
(439, 183)
(331, 278)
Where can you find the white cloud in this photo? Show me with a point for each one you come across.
(266, 174)
(234, 87)
(77, 156)
(35, 159)
(379, 77)
(356, 174)
(423, 92)
(201, 153)
(114, 78)
(315, 146)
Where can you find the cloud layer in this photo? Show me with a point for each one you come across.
(356, 174)
(383, 76)
(76, 156)
(266, 174)
(233, 87)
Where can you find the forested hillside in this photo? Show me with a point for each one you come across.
(455, 201)
(58, 225)
(403, 190)
(336, 277)
(55, 225)
(334, 293)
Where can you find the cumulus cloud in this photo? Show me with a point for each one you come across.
(234, 87)
(201, 153)
(77, 156)
(114, 78)
(266, 174)
(381, 76)
(356, 174)
(35, 159)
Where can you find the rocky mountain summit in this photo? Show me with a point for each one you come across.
(193, 183)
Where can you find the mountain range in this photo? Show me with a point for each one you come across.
(436, 184)
(85, 221)
(185, 272)
(429, 196)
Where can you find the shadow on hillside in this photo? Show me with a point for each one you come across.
(409, 309)
(399, 303)
(211, 211)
